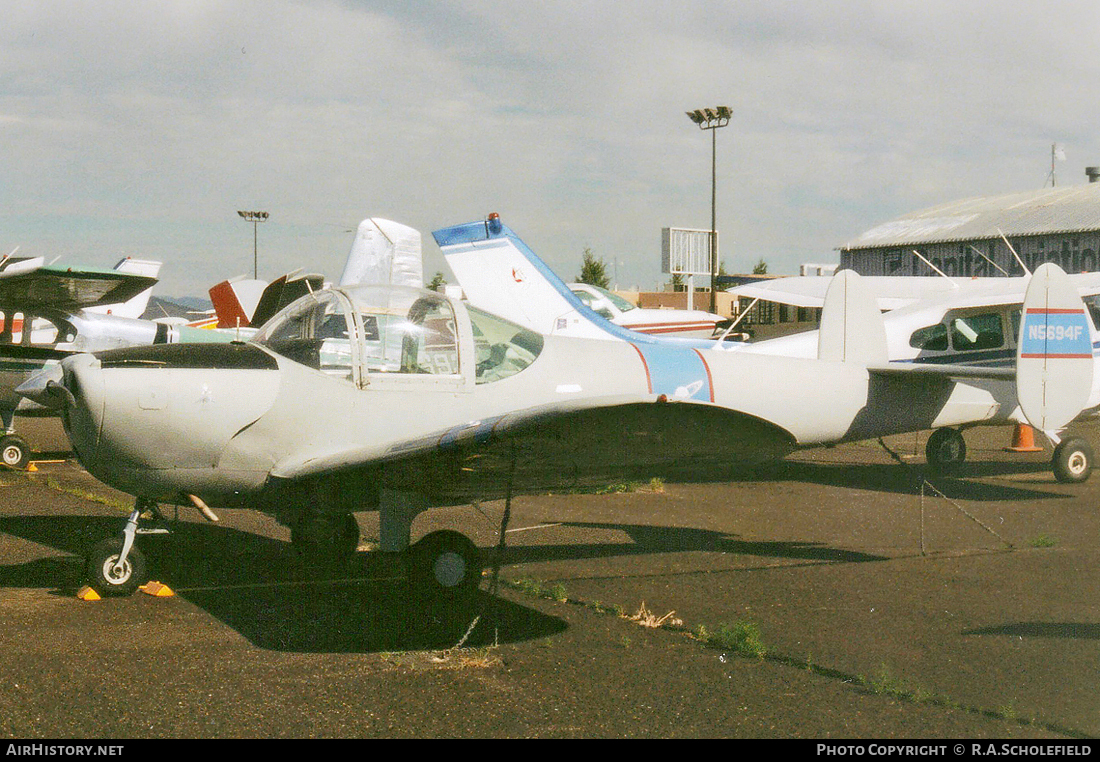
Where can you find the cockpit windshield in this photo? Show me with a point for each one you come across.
(315, 332)
(503, 348)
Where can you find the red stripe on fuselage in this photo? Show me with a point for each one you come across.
(648, 378)
(710, 378)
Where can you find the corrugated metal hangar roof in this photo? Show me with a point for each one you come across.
(1051, 210)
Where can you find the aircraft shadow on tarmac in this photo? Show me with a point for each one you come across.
(647, 539)
(259, 587)
(1067, 630)
(900, 479)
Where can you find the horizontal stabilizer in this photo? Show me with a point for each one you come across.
(942, 370)
(1054, 363)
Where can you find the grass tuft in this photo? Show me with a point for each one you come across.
(742, 637)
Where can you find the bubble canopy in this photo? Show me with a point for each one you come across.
(368, 334)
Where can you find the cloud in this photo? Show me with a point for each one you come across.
(141, 129)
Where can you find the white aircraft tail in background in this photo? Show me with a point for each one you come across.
(384, 253)
(135, 306)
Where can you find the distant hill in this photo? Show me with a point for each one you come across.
(190, 307)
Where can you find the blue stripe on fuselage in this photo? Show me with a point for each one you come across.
(679, 373)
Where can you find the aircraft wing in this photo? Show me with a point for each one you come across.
(546, 447)
(890, 292)
(69, 289)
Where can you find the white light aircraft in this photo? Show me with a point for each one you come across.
(396, 399)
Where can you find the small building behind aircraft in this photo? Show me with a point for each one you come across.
(968, 238)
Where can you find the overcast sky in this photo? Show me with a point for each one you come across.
(140, 128)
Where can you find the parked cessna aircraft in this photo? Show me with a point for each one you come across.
(397, 399)
(973, 322)
(689, 324)
(50, 312)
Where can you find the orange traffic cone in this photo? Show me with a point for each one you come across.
(1023, 440)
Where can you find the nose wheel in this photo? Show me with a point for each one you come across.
(116, 566)
(110, 572)
(14, 452)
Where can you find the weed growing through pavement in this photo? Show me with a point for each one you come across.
(647, 618)
(742, 637)
(1043, 541)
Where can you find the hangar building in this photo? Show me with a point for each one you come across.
(1059, 224)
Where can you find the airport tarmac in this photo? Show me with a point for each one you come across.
(883, 614)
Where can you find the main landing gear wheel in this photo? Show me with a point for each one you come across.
(946, 450)
(1072, 462)
(445, 565)
(14, 451)
(106, 576)
(327, 541)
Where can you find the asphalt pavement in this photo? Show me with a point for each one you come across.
(842, 593)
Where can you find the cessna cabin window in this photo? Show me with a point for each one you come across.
(1093, 304)
(932, 338)
(502, 348)
(314, 332)
(599, 302)
(977, 332)
(43, 332)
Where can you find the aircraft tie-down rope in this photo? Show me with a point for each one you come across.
(498, 556)
(931, 486)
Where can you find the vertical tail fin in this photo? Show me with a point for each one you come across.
(1054, 362)
(852, 329)
(235, 301)
(499, 273)
(282, 291)
(384, 253)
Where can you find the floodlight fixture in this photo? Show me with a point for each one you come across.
(254, 218)
(712, 119)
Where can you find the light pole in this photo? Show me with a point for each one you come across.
(255, 218)
(712, 119)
